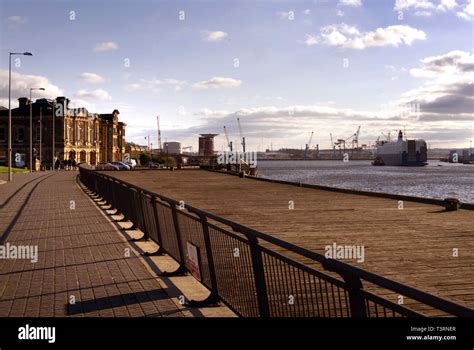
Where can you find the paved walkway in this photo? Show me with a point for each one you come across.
(82, 268)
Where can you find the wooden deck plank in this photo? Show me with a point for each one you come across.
(413, 245)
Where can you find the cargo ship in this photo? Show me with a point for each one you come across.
(401, 152)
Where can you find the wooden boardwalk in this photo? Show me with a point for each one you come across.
(415, 245)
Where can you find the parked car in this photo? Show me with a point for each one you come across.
(106, 166)
(155, 165)
(121, 165)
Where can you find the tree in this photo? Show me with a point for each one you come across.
(145, 158)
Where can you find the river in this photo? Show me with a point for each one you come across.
(437, 180)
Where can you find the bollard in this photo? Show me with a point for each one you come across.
(452, 204)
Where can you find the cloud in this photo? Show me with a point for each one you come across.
(91, 78)
(106, 46)
(215, 36)
(451, 63)
(21, 84)
(218, 82)
(156, 85)
(350, 37)
(98, 94)
(423, 13)
(16, 20)
(290, 15)
(401, 5)
(427, 8)
(306, 12)
(467, 11)
(449, 85)
(354, 3)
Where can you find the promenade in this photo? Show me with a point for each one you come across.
(420, 245)
(84, 267)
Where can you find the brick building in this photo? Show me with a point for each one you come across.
(80, 135)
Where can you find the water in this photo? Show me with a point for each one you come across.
(437, 180)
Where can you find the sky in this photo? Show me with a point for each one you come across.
(285, 68)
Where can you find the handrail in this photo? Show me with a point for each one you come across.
(349, 273)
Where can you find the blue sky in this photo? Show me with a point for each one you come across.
(323, 66)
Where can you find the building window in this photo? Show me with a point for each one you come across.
(20, 135)
(3, 134)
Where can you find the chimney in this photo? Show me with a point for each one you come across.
(24, 101)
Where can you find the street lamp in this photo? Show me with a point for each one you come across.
(31, 128)
(10, 177)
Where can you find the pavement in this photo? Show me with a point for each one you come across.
(84, 267)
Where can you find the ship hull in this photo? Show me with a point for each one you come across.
(397, 160)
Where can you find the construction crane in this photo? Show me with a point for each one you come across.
(308, 145)
(229, 143)
(188, 147)
(241, 135)
(159, 132)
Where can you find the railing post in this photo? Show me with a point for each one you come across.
(259, 275)
(354, 288)
(213, 298)
(160, 250)
(181, 270)
(356, 300)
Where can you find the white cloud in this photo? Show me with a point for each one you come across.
(423, 13)
(290, 15)
(21, 84)
(452, 63)
(214, 36)
(218, 82)
(311, 40)
(98, 94)
(306, 12)
(156, 85)
(427, 8)
(91, 78)
(354, 3)
(401, 5)
(467, 11)
(448, 87)
(16, 20)
(340, 13)
(350, 37)
(446, 5)
(106, 46)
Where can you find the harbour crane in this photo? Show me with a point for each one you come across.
(188, 147)
(159, 133)
(355, 140)
(229, 143)
(241, 136)
(333, 147)
(308, 145)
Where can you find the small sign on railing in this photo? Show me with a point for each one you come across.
(194, 262)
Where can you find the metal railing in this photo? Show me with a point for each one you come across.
(258, 275)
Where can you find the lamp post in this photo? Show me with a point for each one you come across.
(10, 177)
(31, 128)
(54, 133)
(41, 137)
